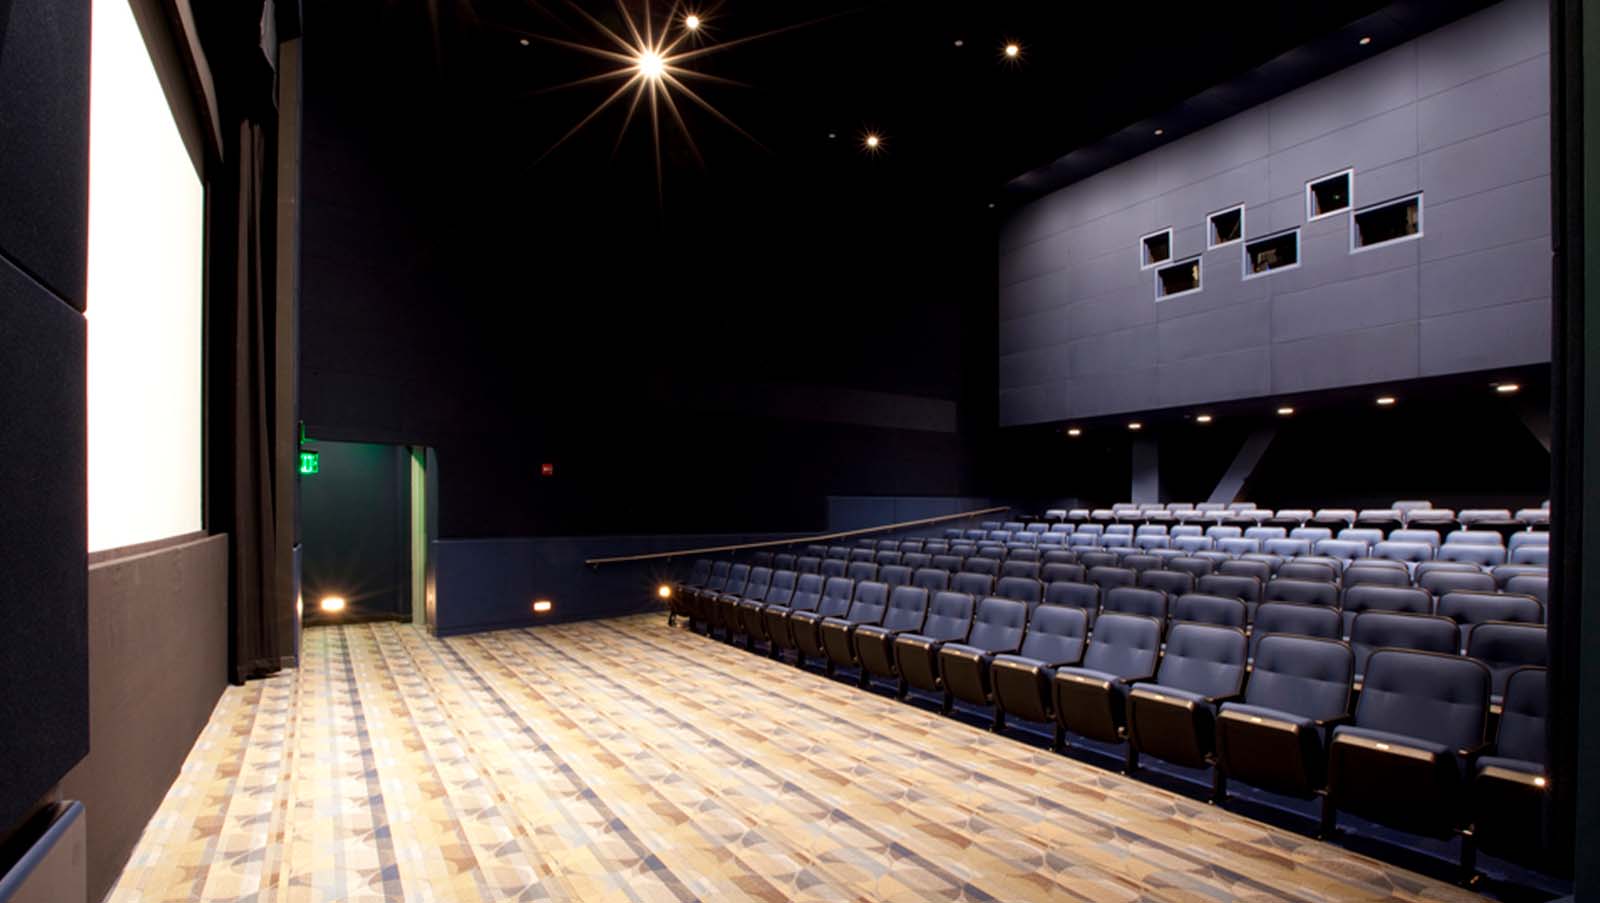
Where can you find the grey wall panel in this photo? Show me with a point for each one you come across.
(158, 661)
(1342, 306)
(1349, 359)
(1509, 273)
(1459, 114)
(1502, 336)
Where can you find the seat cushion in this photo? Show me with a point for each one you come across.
(1257, 711)
(1199, 700)
(1520, 765)
(1365, 733)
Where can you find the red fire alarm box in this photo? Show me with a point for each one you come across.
(547, 469)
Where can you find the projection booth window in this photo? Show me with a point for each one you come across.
(1272, 253)
(1390, 221)
(1180, 278)
(1225, 227)
(1155, 248)
(1330, 194)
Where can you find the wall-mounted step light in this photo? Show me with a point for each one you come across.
(1390, 221)
(1329, 194)
(1155, 248)
(542, 606)
(1225, 227)
(1179, 279)
(1272, 253)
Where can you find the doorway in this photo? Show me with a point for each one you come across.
(364, 528)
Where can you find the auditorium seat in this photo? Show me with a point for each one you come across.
(1527, 538)
(1288, 548)
(1534, 517)
(1406, 506)
(1193, 543)
(1469, 516)
(1373, 630)
(1334, 519)
(973, 584)
(808, 564)
(1341, 549)
(1074, 594)
(1173, 717)
(710, 606)
(1083, 541)
(1504, 647)
(1379, 519)
(783, 561)
(1027, 590)
(1374, 597)
(1013, 568)
(1419, 727)
(1511, 788)
(834, 567)
(1203, 608)
(1173, 583)
(1139, 562)
(1059, 556)
(1107, 577)
(1055, 515)
(1098, 559)
(1022, 555)
(699, 576)
(1503, 573)
(1441, 582)
(1186, 530)
(1294, 618)
(1358, 574)
(888, 545)
(1014, 526)
(858, 556)
(882, 558)
(751, 611)
(1244, 588)
(1537, 586)
(994, 550)
(931, 579)
(807, 595)
(936, 547)
(981, 565)
(947, 563)
(1291, 518)
(868, 606)
(997, 628)
(1091, 699)
(1308, 571)
(715, 583)
(726, 605)
(861, 570)
(1220, 532)
(1188, 564)
(989, 525)
(1485, 556)
(1537, 555)
(1054, 540)
(1056, 572)
(1404, 552)
(916, 654)
(1469, 608)
(1466, 537)
(1216, 558)
(1077, 514)
(1369, 536)
(1276, 737)
(1134, 600)
(805, 627)
(914, 560)
(1311, 534)
(963, 548)
(1304, 592)
(1152, 542)
(1238, 546)
(872, 645)
(910, 545)
(894, 575)
(1260, 570)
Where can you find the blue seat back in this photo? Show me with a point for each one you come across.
(807, 593)
(738, 578)
(1476, 608)
(1075, 595)
(862, 570)
(1028, 569)
(1373, 597)
(1295, 618)
(833, 567)
(1173, 583)
(719, 576)
(808, 564)
(1245, 589)
(1523, 715)
(871, 599)
(760, 581)
(1259, 570)
(1107, 577)
(1124, 645)
(1530, 585)
(1304, 676)
(1403, 551)
(978, 564)
(1304, 592)
(1434, 696)
(908, 607)
(1189, 564)
(1204, 659)
(1359, 574)
(836, 595)
(1428, 538)
(975, 585)
(1059, 572)
(1022, 589)
(1056, 633)
(1134, 600)
(700, 573)
(894, 575)
(840, 552)
(782, 588)
(931, 579)
(949, 616)
(998, 624)
(1505, 647)
(1441, 583)
(1481, 555)
(1206, 609)
(883, 558)
(947, 563)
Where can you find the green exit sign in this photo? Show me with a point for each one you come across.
(310, 462)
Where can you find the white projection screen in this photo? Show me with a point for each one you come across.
(146, 237)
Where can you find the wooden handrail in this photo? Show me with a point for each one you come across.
(821, 537)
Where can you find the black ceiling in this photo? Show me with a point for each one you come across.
(958, 122)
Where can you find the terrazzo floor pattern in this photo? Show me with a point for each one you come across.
(626, 760)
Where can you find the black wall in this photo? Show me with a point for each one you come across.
(761, 336)
(44, 676)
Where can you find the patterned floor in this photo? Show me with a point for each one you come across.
(625, 760)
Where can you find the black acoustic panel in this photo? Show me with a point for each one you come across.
(44, 663)
(44, 140)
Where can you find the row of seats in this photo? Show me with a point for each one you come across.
(1401, 513)
(1269, 706)
(1482, 546)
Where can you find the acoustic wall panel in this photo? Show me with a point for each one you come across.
(1459, 115)
(44, 140)
(44, 669)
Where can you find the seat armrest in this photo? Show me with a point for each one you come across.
(1064, 664)
(1330, 723)
(1470, 754)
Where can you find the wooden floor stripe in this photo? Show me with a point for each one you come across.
(627, 760)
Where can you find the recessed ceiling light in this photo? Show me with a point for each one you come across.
(650, 64)
(991, 205)
(1202, 418)
(1507, 388)
(1135, 425)
(1013, 51)
(873, 142)
(1285, 411)
(691, 22)
(960, 43)
(1365, 40)
(1160, 132)
(833, 134)
(1385, 400)
(1074, 432)
(523, 42)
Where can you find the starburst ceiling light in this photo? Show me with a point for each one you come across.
(652, 66)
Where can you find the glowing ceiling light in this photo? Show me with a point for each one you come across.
(1013, 51)
(1160, 132)
(1386, 400)
(1507, 388)
(651, 65)
(1074, 432)
(691, 22)
(1203, 418)
(1285, 411)
(1136, 425)
(873, 142)
(1365, 41)
(332, 603)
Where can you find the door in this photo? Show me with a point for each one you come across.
(355, 516)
